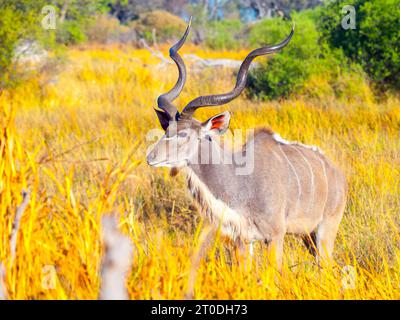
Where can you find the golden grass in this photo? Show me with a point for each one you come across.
(78, 145)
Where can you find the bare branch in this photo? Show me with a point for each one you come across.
(199, 62)
(16, 224)
(116, 262)
(64, 10)
(226, 63)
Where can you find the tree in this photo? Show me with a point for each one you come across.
(374, 43)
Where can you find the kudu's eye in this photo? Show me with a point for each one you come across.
(182, 134)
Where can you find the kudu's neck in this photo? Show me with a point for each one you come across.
(217, 161)
(212, 164)
(210, 156)
(210, 184)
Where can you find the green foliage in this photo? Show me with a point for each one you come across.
(374, 43)
(74, 16)
(70, 32)
(224, 34)
(288, 70)
(19, 21)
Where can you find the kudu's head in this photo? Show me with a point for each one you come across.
(183, 133)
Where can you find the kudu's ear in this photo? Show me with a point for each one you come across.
(164, 118)
(217, 124)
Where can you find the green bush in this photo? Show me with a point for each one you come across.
(70, 32)
(374, 43)
(288, 71)
(224, 34)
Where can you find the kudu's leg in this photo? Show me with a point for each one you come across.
(239, 250)
(275, 251)
(251, 250)
(326, 234)
(244, 253)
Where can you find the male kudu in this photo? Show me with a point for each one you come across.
(293, 188)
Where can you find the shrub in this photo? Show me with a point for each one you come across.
(374, 43)
(165, 24)
(224, 34)
(288, 70)
(105, 29)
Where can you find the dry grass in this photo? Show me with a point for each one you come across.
(78, 144)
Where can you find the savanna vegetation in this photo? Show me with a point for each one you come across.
(75, 138)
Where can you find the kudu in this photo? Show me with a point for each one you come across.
(293, 188)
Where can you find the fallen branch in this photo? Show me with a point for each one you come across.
(155, 53)
(199, 62)
(16, 224)
(227, 63)
(116, 261)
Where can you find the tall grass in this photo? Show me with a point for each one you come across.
(77, 145)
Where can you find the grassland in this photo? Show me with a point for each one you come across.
(77, 144)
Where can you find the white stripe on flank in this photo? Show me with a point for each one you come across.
(336, 190)
(297, 177)
(326, 182)
(312, 179)
(277, 156)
